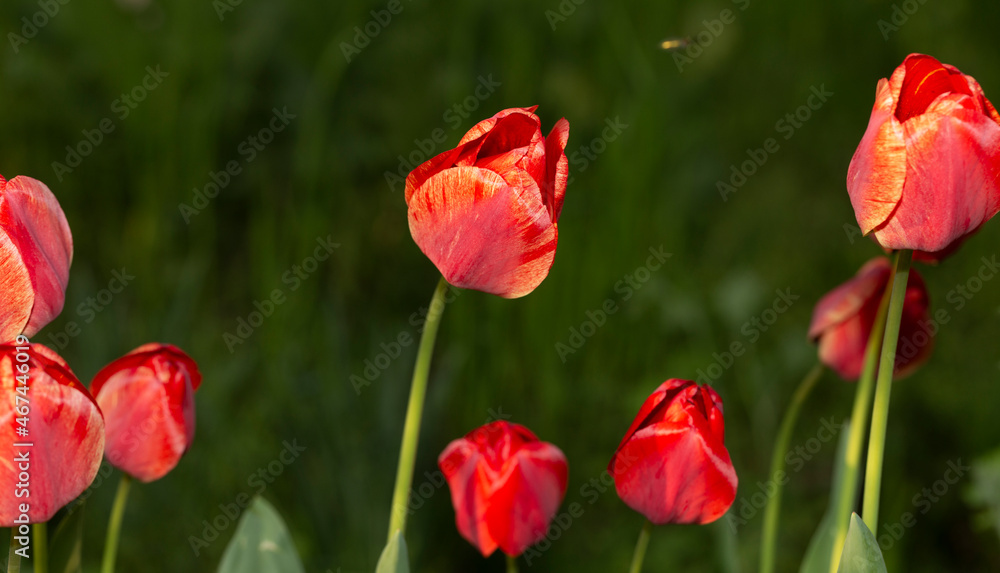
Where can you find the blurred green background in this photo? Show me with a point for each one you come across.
(325, 177)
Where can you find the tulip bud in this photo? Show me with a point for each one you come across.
(927, 172)
(52, 439)
(36, 249)
(148, 401)
(843, 319)
(506, 486)
(672, 465)
(485, 212)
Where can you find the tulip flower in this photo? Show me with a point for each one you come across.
(672, 465)
(36, 249)
(843, 319)
(148, 401)
(927, 172)
(485, 212)
(44, 405)
(506, 486)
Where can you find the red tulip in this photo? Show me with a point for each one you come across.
(36, 249)
(672, 465)
(148, 401)
(843, 319)
(485, 212)
(64, 426)
(927, 172)
(505, 485)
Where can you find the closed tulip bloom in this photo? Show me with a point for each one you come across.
(843, 319)
(927, 172)
(63, 425)
(506, 486)
(485, 212)
(672, 465)
(148, 401)
(36, 250)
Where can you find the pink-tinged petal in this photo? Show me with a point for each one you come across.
(842, 347)
(527, 496)
(65, 427)
(482, 233)
(34, 222)
(952, 181)
(877, 171)
(557, 167)
(16, 293)
(847, 299)
(147, 397)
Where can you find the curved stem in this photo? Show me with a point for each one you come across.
(769, 538)
(511, 564)
(115, 525)
(883, 389)
(13, 559)
(847, 497)
(40, 536)
(414, 412)
(640, 548)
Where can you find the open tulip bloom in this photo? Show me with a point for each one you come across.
(506, 486)
(927, 171)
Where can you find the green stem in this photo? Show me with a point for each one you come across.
(511, 564)
(640, 548)
(883, 388)
(115, 525)
(847, 497)
(41, 547)
(414, 412)
(13, 559)
(769, 539)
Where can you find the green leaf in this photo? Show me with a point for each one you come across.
(66, 545)
(861, 552)
(394, 558)
(817, 559)
(261, 544)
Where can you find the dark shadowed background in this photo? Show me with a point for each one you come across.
(216, 75)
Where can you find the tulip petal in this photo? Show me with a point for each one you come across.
(35, 224)
(951, 149)
(557, 167)
(924, 80)
(460, 463)
(848, 299)
(877, 171)
(487, 125)
(527, 496)
(67, 432)
(15, 285)
(482, 233)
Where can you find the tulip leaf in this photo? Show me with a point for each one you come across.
(820, 551)
(394, 558)
(861, 552)
(261, 544)
(66, 545)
